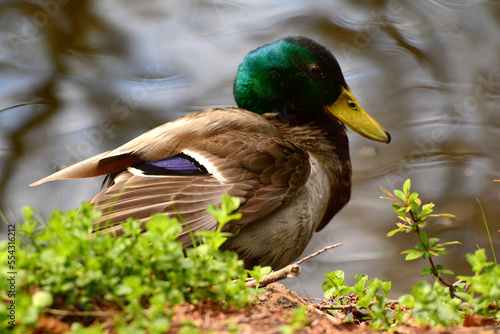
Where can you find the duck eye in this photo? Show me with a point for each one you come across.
(352, 105)
(316, 71)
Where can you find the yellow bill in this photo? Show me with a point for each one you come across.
(348, 110)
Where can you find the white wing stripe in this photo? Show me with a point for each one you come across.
(209, 166)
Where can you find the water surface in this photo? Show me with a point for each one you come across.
(81, 77)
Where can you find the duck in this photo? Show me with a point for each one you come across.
(283, 152)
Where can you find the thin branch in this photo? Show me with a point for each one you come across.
(348, 307)
(434, 273)
(318, 252)
(80, 313)
(291, 270)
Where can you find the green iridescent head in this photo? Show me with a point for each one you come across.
(294, 73)
(298, 75)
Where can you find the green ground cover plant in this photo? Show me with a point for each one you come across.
(441, 303)
(62, 267)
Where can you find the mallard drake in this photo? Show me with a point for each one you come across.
(284, 152)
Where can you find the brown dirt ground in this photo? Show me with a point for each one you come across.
(271, 314)
(274, 311)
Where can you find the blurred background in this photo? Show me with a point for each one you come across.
(81, 77)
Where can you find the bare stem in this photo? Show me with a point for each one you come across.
(288, 271)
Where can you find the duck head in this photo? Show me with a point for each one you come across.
(299, 76)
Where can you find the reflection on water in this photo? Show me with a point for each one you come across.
(81, 77)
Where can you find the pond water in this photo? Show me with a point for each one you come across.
(81, 77)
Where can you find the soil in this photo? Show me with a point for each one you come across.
(273, 314)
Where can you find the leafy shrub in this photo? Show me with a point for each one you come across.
(61, 265)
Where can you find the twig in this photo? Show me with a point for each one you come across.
(315, 298)
(291, 270)
(318, 252)
(80, 313)
(348, 306)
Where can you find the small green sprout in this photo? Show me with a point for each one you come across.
(413, 215)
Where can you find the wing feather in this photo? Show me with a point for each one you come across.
(242, 154)
(166, 140)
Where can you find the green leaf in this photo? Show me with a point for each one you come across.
(235, 216)
(161, 225)
(447, 271)
(399, 194)
(335, 285)
(451, 243)
(433, 241)
(420, 247)
(442, 215)
(413, 255)
(364, 302)
(391, 233)
(438, 250)
(478, 260)
(386, 287)
(388, 193)
(407, 251)
(398, 208)
(407, 300)
(223, 214)
(427, 271)
(412, 198)
(27, 212)
(336, 277)
(406, 186)
(425, 212)
(229, 203)
(42, 299)
(423, 237)
(258, 272)
(428, 206)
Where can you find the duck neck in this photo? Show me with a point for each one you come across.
(324, 138)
